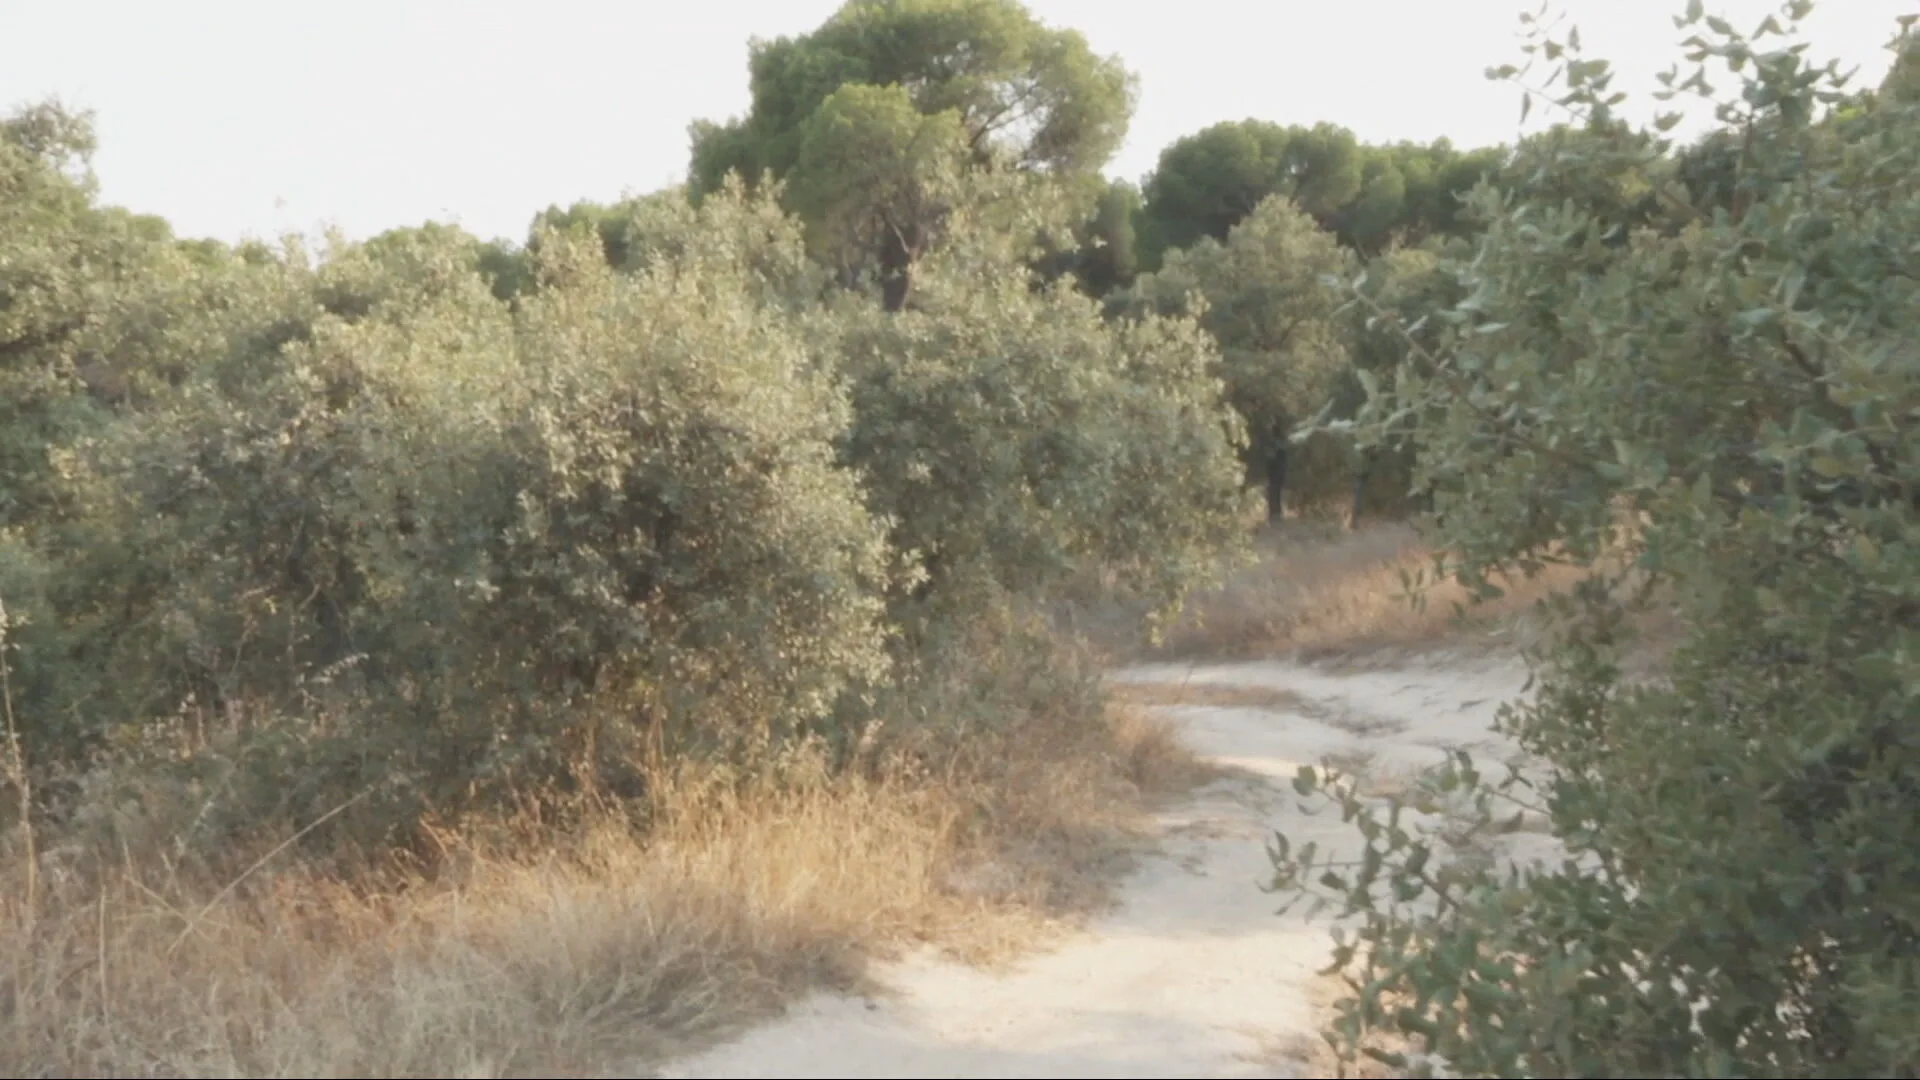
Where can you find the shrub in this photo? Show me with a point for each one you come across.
(1011, 436)
(475, 552)
(1728, 404)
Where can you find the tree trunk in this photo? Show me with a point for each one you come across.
(894, 288)
(1359, 489)
(1276, 481)
(896, 271)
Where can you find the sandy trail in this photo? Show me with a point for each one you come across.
(1193, 974)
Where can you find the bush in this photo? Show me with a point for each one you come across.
(476, 552)
(1727, 405)
(1011, 437)
(379, 539)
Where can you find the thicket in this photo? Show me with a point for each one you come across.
(389, 534)
(426, 524)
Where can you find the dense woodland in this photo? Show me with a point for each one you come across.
(436, 526)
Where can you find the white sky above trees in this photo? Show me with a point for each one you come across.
(238, 117)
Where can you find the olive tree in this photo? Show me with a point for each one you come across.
(65, 265)
(432, 546)
(100, 312)
(1270, 296)
(1012, 435)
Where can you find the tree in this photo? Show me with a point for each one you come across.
(57, 257)
(1206, 183)
(618, 226)
(632, 233)
(877, 176)
(1024, 92)
(1395, 325)
(1582, 163)
(902, 94)
(1710, 169)
(1109, 244)
(1103, 250)
(1903, 78)
(1369, 195)
(1411, 193)
(1716, 411)
(1378, 209)
(1264, 297)
(1013, 436)
(98, 306)
(498, 550)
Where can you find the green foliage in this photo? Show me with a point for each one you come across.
(1617, 176)
(1109, 244)
(1902, 83)
(454, 551)
(1104, 252)
(1725, 404)
(100, 310)
(640, 230)
(1208, 182)
(61, 260)
(1271, 297)
(1012, 436)
(425, 526)
(1414, 193)
(877, 175)
(1710, 169)
(874, 116)
(626, 230)
(1394, 325)
(1023, 92)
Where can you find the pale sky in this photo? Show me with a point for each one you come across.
(255, 117)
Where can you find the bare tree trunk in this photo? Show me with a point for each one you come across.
(897, 253)
(1359, 489)
(1276, 481)
(894, 289)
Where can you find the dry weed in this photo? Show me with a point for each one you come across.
(1213, 694)
(605, 950)
(1315, 590)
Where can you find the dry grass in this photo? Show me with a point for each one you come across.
(1213, 694)
(600, 952)
(604, 954)
(1315, 590)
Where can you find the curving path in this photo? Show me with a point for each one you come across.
(1193, 974)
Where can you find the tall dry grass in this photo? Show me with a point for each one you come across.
(567, 955)
(1315, 591)
(528, 952)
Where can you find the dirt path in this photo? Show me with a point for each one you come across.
(1193, 974)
